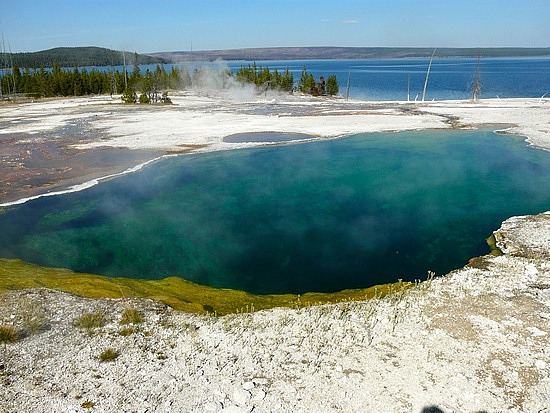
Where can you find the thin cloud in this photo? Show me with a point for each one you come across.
(350, 22)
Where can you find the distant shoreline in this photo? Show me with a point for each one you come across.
(352, 53)
(92, 56)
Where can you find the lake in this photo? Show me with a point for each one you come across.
(449, 78)
(318, 216)
(388, 79)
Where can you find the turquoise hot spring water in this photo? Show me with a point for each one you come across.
(319, 216)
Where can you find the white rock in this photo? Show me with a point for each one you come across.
(259, 395)
(248, 385)
(240, 396)
(540, 364)
(212, 407)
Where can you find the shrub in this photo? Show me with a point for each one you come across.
(8, 334)
(131, 316)
(91, 320)
(109, 354)
(129, 96)
(165, 98)
(144, 99)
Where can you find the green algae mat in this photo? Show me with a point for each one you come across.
(173, 291)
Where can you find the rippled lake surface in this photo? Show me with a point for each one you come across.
(320, 216)
(449, 78)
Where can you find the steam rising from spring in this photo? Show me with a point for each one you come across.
(215, 79)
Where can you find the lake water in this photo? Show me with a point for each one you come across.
(388, 79)
(319, 216)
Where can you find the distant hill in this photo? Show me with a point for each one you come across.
(308, 53)
(98, 56)
(80, 57)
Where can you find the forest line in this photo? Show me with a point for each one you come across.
(152, 86)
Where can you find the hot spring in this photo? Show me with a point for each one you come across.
(318, 216)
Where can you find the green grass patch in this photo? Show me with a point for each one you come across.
(174, 291)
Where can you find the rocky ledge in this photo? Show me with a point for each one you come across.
(474, 340)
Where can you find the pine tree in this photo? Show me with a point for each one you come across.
(264, 78)
(307, 82)
(56, 80)
(287, 81)
(303, 81)
(44, 83)
(147, 88)
(120, 82)
(332, 87)
(77, 85)
(135, 77)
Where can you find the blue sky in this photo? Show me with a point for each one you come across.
(171, 25)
